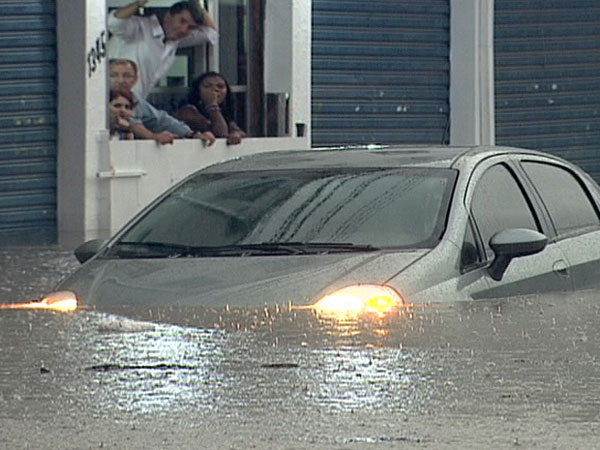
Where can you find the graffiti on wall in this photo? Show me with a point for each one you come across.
(97, 53)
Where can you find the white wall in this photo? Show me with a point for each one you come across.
(300, 109)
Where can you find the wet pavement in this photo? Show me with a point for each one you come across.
(517, 373)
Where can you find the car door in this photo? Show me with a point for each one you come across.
(499, 201)
(574, 215)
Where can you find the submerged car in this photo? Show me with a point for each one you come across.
(361, 228)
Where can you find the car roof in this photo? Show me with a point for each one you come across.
(363, 157)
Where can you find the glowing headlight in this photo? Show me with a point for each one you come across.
(61, 301)
(361, 298)
(64, 301)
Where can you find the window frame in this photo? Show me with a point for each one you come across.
(479, 248)
(529, 194)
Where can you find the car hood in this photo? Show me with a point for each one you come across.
(264, 280)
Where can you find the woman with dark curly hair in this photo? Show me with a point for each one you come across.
(210, 109)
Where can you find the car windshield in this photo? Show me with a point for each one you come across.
(294, 212)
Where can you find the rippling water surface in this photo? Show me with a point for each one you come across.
(504, 374)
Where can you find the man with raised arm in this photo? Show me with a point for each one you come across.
(151, 42)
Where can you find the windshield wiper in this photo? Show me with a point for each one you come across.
(324, 247)
(150, 249)
(285, 248)
(126, 249)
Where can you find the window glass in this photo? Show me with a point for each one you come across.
(395, 208)
(499, 203)
(566, 199)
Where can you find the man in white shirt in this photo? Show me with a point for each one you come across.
(151, 42)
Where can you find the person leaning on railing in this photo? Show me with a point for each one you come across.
(210, 109)
(147, 121)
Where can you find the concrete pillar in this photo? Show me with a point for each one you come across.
(472, 72)
(81, 40)
(300, 112)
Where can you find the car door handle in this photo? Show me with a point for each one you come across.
(561, 268)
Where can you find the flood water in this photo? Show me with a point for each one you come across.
(513, 373)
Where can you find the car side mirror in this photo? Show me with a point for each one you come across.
(88, 249)
(513, 243)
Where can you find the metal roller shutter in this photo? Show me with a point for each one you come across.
(27, 121)
(380, 71)
(547, 56)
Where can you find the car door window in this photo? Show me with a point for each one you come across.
(567, 200)
(499, 203)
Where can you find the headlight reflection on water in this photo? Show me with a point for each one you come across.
(62, 301)
(151, 368)
(236, 357)
(360, 309)
(351, 379)
(115, 367)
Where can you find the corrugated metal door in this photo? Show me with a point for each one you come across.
(27, 121)
(380, 71)
(547, 56)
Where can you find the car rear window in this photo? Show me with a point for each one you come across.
(568, 202)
